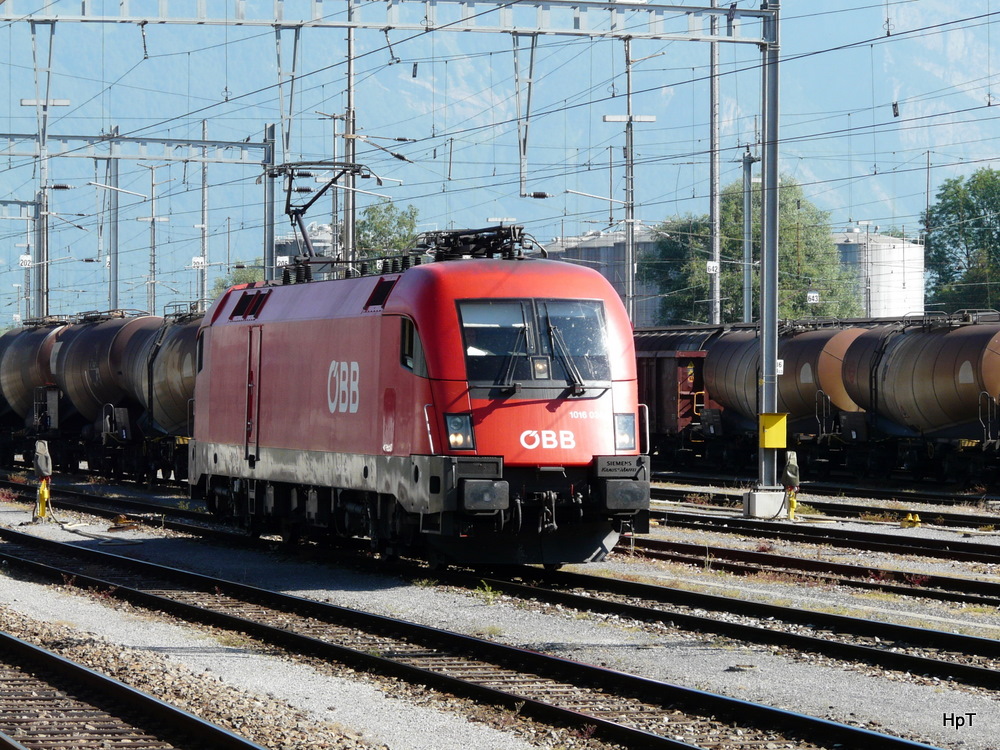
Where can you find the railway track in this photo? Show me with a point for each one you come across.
(156, 514)
(945, 655)
(51, 703)
(621, 708)
(906, 583)
(964, 659)
(947, 588)
(201, 522)
(883, 489)
(950, 549)
(913, 493)
(727, 497)
(65, 496)
(748, 562)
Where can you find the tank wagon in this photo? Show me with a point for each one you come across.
(918, 394)
(481, 408)
(93, 386)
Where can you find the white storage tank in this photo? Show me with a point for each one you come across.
(889, 271)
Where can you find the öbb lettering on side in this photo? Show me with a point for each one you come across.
(342, 387)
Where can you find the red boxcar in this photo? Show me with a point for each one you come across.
(481, 410)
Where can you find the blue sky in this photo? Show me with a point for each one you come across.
(842, 69)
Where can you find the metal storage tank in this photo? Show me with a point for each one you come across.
(170, 357)
(89, 360)
(812, 362)
(889, 271)
(930, 380)
(731, 371)
(859, 363)
(5, 342)
(26, 365)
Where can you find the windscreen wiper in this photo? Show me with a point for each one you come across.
(507, 385)
(575, 379)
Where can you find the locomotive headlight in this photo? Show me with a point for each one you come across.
(625, 432)
(540, 367)
(460, 437)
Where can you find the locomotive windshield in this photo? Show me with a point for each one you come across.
(535, 341)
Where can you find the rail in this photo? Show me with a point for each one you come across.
(153, 711)
(624, 708)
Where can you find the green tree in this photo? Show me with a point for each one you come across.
(678, 268)
(385, 227)
(808, 261)
(962, 252)
(246, 275)
(977, 288)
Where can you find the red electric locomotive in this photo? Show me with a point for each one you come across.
(481, 408)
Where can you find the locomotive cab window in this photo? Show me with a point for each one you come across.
(543, 342)
(411, 351)
(576, 338)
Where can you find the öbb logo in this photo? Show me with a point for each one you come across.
(531, 439)
(342, 387)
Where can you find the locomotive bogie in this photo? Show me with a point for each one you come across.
(459, 514)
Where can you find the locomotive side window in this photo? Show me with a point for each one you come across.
(411, 351)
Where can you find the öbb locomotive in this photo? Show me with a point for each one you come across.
(479, 407)
(918, 395)
(482, 407)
